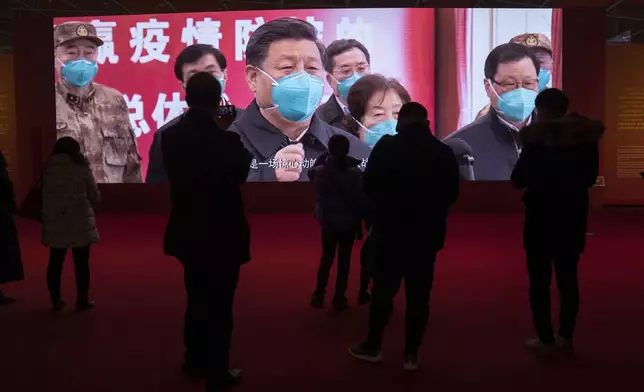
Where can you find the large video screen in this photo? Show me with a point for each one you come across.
(293, 78)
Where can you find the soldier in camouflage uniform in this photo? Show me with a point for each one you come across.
(542, 49)
(96, 116)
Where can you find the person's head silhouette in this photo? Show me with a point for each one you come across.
(412, 115)
(70, 147)
(551, 103)
(203, 93)
(339, 146)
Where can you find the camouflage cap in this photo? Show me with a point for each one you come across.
(533, 40)
(68, 31)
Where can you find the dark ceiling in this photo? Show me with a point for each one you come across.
(623, 16)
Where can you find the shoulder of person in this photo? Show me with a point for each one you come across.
(472, 131)
(107, 93)
(172, 124)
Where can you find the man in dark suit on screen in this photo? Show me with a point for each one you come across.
(207, 230)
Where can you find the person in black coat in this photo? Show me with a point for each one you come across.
(10, 260)
(339, 209)
(207, 230)
(412, 178)
(558, 165)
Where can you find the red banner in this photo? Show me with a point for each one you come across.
(139, 53)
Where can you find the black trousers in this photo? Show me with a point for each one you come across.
(81, 269)
(333, 242)
(540, 272)
(390, 269)
(367, 255)
(209, 316)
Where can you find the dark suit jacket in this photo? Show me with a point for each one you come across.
(156, 171)
(263, 140)
(494, 147)
(558, 164)
(412, 179)
(331, 113)
(206, 167)
(11, 269)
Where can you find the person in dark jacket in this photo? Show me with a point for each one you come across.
(512, 84)
(10, 259)
(347, 60)
(69, 195)
(284, 69)
(192, 60)
(338, 208)
(412, 179)
(207, 230)
(558, 165)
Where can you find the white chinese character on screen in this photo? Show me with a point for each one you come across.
(358, 30)
(174, 107)
(243, 30)
(363, 164)
(318, 24)
(204, 32)
(149, 36)
(253, 164)
(105, 32)
(137, 120)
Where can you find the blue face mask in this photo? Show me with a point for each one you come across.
(518, 104)
(222, 83)
(345, 85)
(544, 79)
(79, 73)
(373, 134)
(296, 96)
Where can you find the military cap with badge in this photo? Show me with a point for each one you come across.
(77, 72)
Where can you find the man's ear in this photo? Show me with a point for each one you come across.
(251, 78)
(225, 74)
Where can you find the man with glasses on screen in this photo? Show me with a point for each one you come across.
(192, 60)
(347, 61)
(512, 84)
(284, 69)
(542, 48)
(95, 115)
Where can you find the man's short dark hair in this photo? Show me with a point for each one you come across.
(553, 101)
(339, 145)
(508, 53)
(203, 91)
(277, 30)
(340, 46)
(412, 111)
(194, 53)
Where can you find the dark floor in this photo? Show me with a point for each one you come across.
(480, 317)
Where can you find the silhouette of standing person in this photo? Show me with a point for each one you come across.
(339, 209)
(412, 178)
(558, 164)
(10, 258)
(69, 194)
(207, 230)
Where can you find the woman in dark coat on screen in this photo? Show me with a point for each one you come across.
(10, 259)
(558, 165)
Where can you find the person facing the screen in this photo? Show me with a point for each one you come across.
(192, 60)
(207, 230)
(95, 115)
(558, 165)
(347, 61)
(412, 179)
(69, 194)
(512, 84)
(284, 69)
(374, 102)
(542, 48)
